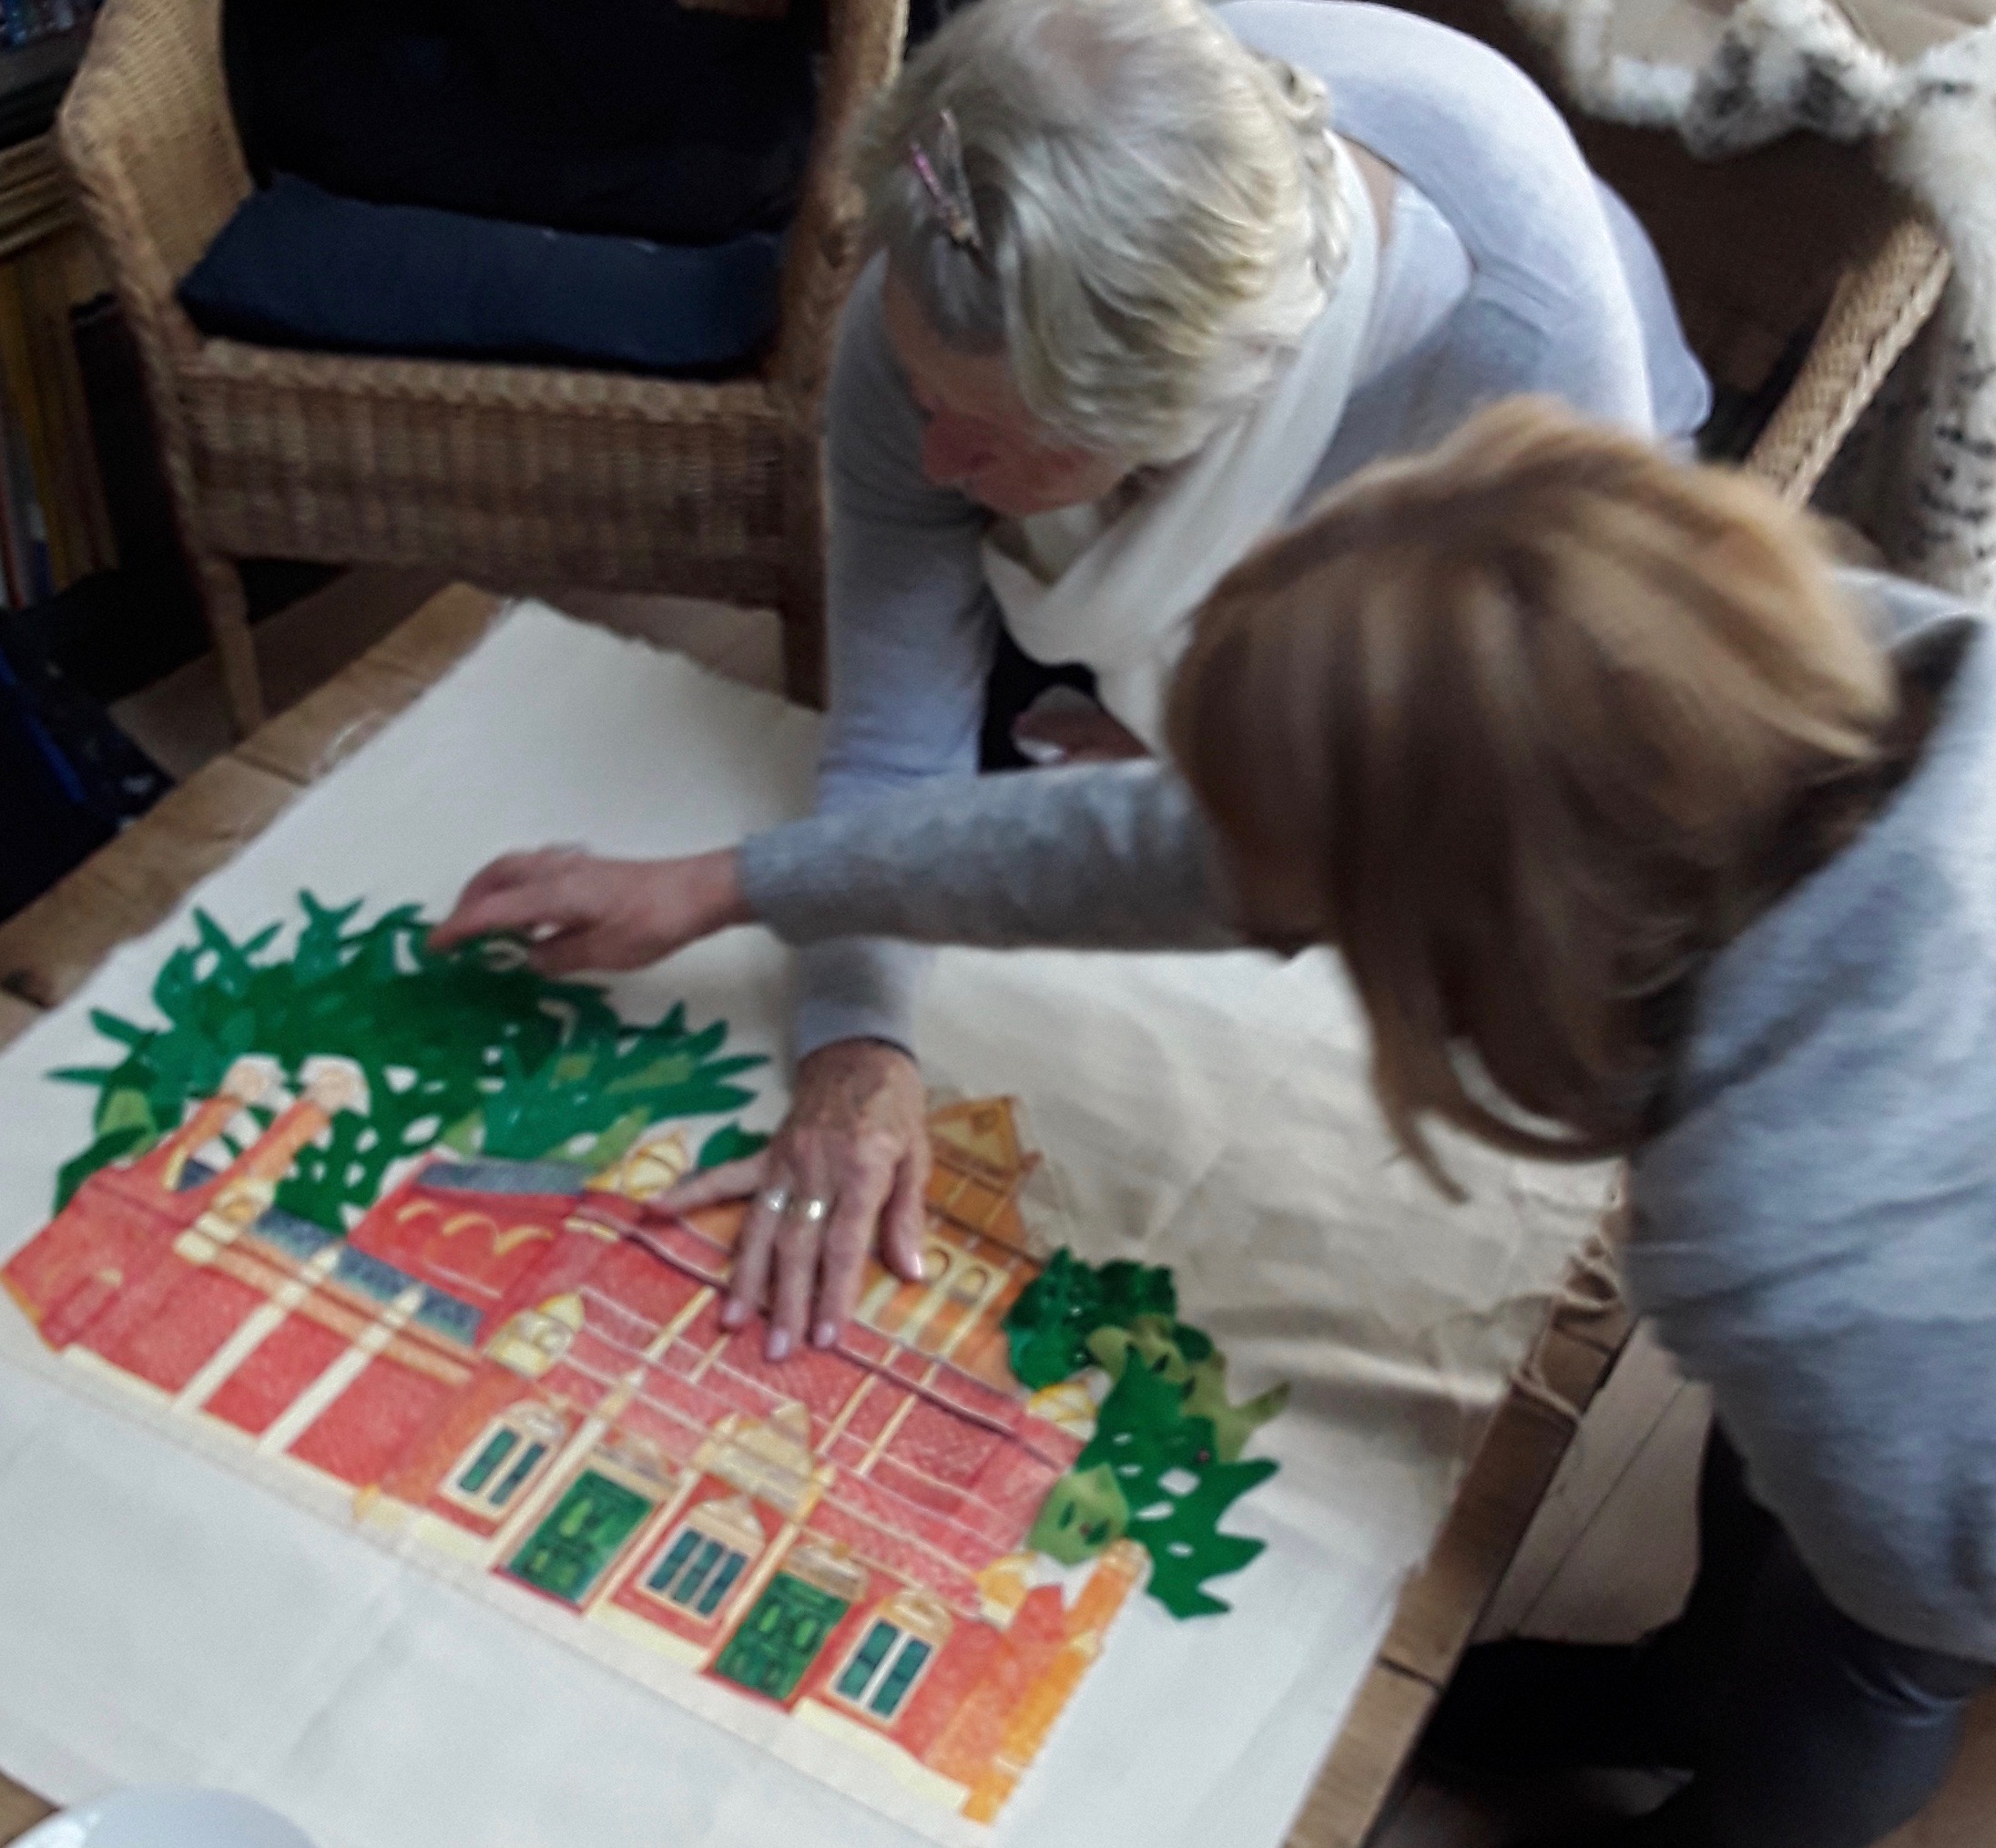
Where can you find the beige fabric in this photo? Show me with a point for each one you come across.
(1916, 79)
(183, 1606)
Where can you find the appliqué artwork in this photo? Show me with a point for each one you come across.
(386, 1217)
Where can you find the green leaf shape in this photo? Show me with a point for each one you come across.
(1144, 1436)
(1082, 1512)
(1048, 1327)
(131, 1138)
(503, 1061)
(123, 1109)
(730, 1142)
(1187, 1358)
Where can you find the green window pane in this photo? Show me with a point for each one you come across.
(486, 1461)
(871, 1653)
(518, 1473)
(730, 1571)
(688, 1588)
(570, 1549)
(682, 1551)
(900, 1678)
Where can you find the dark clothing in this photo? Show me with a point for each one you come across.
(1802, 1728)
(1015, 681)
(1820, 1733)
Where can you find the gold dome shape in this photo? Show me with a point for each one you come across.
(535, 1339)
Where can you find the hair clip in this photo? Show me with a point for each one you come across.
(936, 153)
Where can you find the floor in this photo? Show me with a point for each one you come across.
(1613, 1548)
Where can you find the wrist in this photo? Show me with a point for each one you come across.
(719, 901)
(855, 1048)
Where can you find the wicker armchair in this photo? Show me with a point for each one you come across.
(512, 474)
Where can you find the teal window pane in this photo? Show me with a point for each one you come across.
(871, 1654)
(486, 1461)
(730, 1571)
(681, 1551)
(518, 1473)
(900, 1678)
(688, 1588)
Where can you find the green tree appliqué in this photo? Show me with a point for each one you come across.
(470, 1050)
(1164, 1462)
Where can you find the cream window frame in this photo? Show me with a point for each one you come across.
(538, 1435)
(727, 1568)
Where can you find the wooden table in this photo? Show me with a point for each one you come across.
(48, 951)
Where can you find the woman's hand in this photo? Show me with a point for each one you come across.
(850, 1164)
(578, 910)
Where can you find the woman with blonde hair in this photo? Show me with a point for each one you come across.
(1641, 831)
(1148, 277)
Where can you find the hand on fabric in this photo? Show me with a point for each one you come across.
(849, 1167)
(579, 911)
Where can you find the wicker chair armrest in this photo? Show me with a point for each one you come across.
(865, 38)
(1880, 303)
(147, 138)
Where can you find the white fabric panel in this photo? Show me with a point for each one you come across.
(168, 1618)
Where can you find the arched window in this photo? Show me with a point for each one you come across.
(705, 1556)
(509, 1454)
(907, 1634)
(969, 1286)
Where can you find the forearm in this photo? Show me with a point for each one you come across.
(1103, 857)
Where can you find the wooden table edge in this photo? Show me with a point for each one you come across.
(1440, 1605)
(1487, 1520)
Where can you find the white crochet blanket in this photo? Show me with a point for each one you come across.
(1916, 78)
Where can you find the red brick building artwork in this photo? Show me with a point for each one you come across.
(522, 1366)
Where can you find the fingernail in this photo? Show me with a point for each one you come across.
(779, 1344)
(825, 1333)
(734, 1315)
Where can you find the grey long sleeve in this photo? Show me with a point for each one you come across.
(1102, 857)
(910, 634)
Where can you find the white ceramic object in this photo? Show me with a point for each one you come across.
(158, 1816)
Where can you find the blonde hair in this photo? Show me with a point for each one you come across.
(1532, 727)
(1158, 215)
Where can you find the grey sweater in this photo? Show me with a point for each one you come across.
(1565, 297)
(1814, 1228)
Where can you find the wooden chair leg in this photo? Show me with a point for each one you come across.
(227, 607)
(801, 603)
(803, 614)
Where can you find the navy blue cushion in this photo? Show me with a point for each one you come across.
(298, 266)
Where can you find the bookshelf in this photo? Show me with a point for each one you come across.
(55, 527)
(34, 196)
